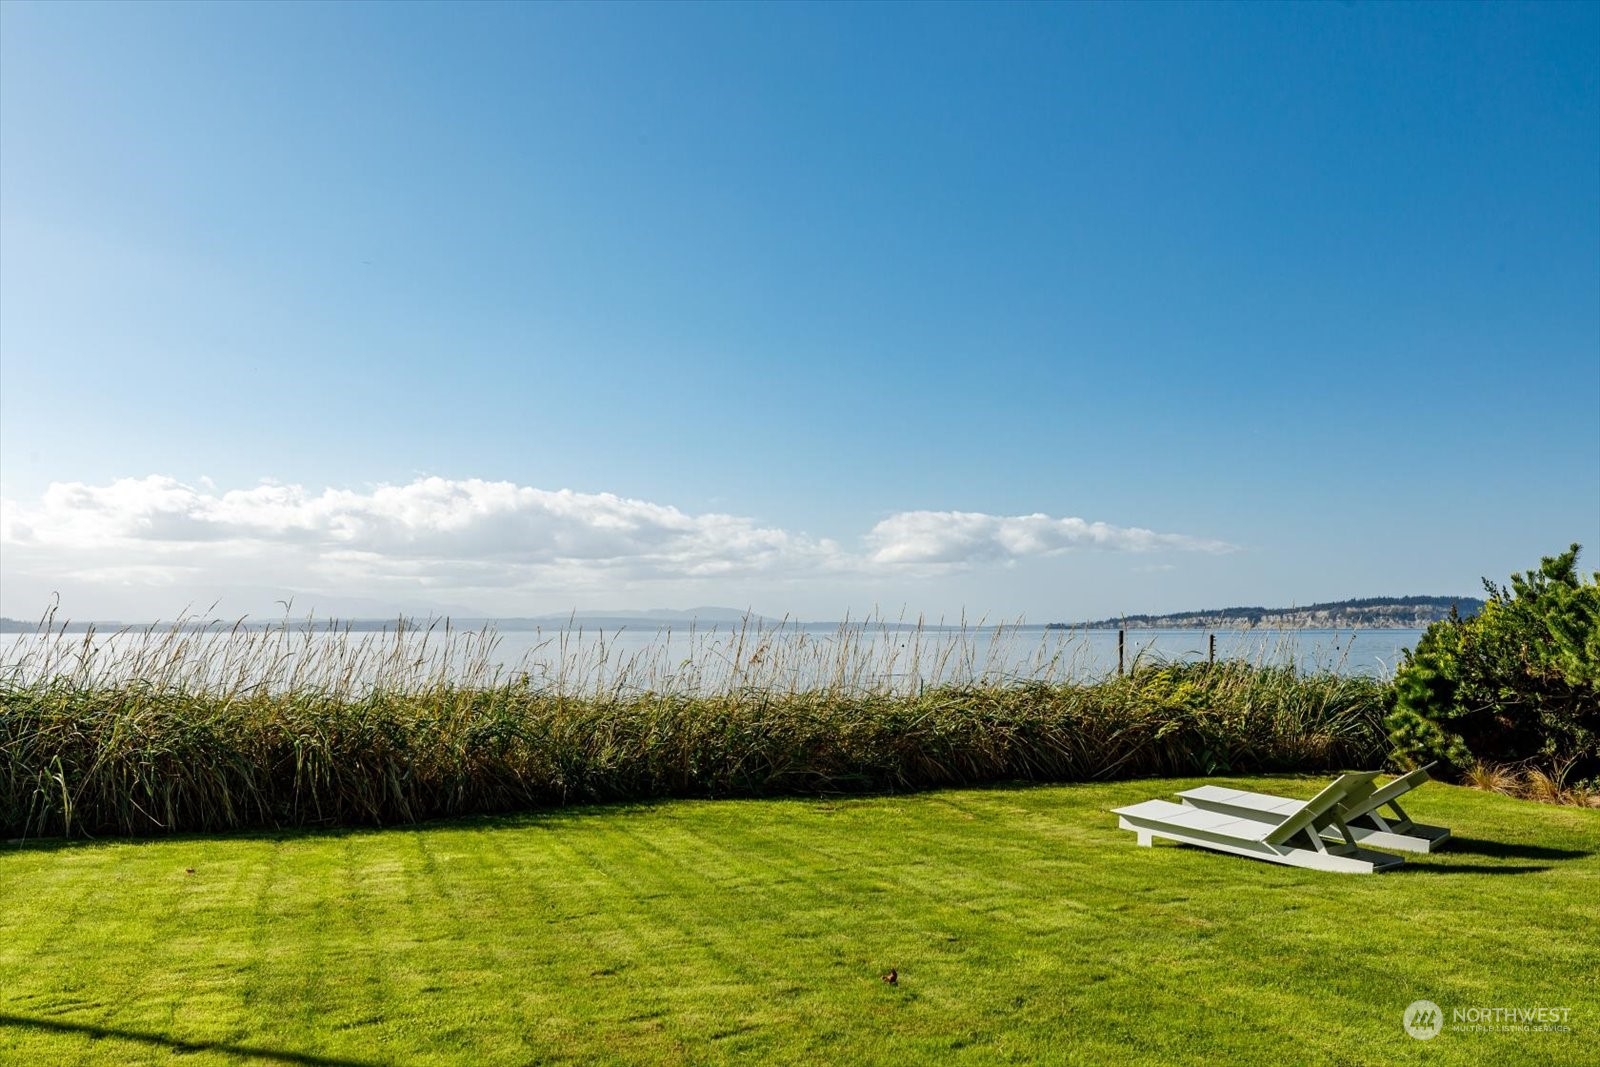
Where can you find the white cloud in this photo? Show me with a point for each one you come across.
(429, 521)
(960, 537)
(481, 541)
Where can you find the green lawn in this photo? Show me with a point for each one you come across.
(1024, 925)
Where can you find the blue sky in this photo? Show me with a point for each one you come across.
(1055, 311)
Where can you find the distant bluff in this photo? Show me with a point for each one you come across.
(1371, 613)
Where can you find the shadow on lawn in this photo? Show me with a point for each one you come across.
(548, 817)
(176, 1045)
(1493, 850)
(1505, 850)
(552, 817)
(487, 821)
(1461, 868)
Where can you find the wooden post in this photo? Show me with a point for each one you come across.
(1120, 635)
(1211, 656)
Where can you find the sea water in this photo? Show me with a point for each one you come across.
(701, 659)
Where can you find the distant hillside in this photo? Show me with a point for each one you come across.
(1371, 613)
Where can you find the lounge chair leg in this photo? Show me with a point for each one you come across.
(1144, 839)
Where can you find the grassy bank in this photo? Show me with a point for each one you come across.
(1024, 926)
(179, 731)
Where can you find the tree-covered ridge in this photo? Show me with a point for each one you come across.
(1406, 612)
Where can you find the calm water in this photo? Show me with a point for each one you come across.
(705, 660)
(1372, 652)
(1022, 653)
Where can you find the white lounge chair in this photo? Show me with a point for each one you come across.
(1360, 812)
(1296, 839)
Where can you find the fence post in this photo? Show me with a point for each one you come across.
(1211, 656)
(1120, 635)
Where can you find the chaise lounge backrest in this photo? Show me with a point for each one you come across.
(1324, 806)
(1375, 799)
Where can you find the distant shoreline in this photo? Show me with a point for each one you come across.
(1371, 613)
(1224, 627)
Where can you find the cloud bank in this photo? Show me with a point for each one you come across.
(961, 537)
(463, 537)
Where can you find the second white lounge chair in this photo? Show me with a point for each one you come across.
(1297, 839)
(1360, 812)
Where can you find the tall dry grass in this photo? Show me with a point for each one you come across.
(1530, 781)
(227, 727)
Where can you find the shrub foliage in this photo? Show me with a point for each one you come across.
(1518, 682)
